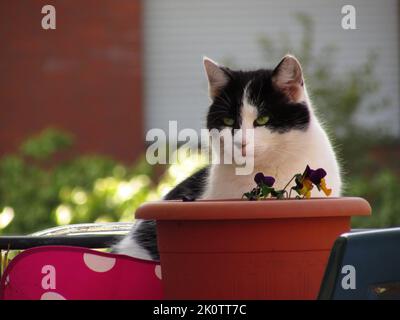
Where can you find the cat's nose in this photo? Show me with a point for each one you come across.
(239, 143)
(242, 147)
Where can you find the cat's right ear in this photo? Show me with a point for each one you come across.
(216, 75)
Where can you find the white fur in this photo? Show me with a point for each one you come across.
(280, 156)
(129, 247)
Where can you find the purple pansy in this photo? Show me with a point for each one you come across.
(315, 176)
(304, 184)
(259, 178)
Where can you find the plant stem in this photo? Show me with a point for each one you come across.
(289, 182)
(286, 193)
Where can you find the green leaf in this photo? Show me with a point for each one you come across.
(265, 190)
(279, 194)
(46, 144)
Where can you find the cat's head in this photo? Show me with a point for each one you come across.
(272, 102)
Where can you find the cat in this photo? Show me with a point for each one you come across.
(287, 137)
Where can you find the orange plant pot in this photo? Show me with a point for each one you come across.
(238, 249)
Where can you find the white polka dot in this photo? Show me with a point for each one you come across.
(98, 263)
(52, 296)
(7, 281)
(157, 271)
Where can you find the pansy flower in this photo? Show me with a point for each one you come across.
(260, 179)
(263, 189)
(310, 177)
(304, 184)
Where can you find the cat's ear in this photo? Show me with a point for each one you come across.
(288, 77)
(217, 76)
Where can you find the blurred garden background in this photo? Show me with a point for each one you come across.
(69, 156)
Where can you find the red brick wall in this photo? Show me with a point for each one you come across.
(85, 76)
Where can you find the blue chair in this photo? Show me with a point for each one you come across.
(364, 265)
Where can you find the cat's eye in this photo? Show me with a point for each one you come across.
(260, 121)
(229, 122)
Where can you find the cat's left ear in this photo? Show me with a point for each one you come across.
(288, 77)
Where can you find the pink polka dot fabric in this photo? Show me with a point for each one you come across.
(72, 273)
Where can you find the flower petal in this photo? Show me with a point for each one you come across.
(307, 172)
(325, 188)
(317, 175)
(307, 187)
(259, 178)
(269, 181)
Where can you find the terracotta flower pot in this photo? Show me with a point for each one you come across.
(272, 249)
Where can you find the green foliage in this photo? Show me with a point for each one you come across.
(382, 190)
(339, 98)
(37, 192)
(83, 189)
(46, 144)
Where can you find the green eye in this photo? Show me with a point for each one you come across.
(229, 122)
(262, 120)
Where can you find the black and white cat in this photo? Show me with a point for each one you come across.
(287, 138)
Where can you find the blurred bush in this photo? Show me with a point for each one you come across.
(339, 98)
(37, 192)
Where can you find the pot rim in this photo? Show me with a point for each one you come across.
(237, 209)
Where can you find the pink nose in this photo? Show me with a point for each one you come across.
(242, 146)
(243, 150)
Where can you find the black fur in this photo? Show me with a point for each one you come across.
(192, 188)
(284, 115)
(146, 235)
